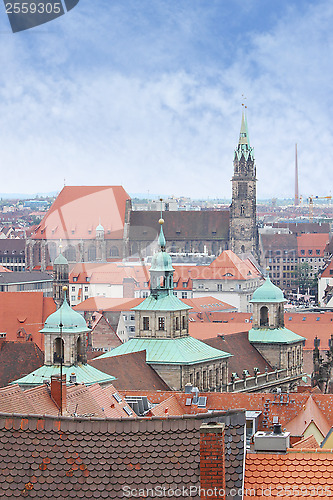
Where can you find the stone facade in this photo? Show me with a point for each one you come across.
(243, 232)
(209, 376)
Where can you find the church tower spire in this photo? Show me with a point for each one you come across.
(243, 227)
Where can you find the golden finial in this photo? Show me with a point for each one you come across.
(65, 288)
(161, 221)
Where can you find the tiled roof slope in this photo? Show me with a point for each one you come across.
(18, 359)
(44, 457)
(77, 211)
(295, 474)
(309, 443)
(25, 312)
(131, 372)
(307, 325)
(245, 356)
(193, 225)
(312, 242)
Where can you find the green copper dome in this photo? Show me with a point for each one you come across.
(60, 260)
(268, 292)
(99, 227)
(161, 261)
(72, 321)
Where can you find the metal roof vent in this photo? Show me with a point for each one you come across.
(272, 441)
(196, 395)
(188, 388)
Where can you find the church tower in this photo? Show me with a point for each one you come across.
(243, 236)
(60, 278)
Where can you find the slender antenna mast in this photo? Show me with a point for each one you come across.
(296, 178)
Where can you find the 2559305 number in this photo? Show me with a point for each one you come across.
(33, 8)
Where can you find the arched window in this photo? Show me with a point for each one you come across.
(58, 350)
(51, 251)
(70, 253)
(264, 316)
(242, 249)
(242, 210)
(79, 350)
(91, 253)
(134, 249)
(114, 252)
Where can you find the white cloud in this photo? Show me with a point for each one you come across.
(136, 111)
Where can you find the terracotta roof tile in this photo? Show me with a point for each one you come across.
(26, 313)
(131, 372)
(78, 210)
(304, 474)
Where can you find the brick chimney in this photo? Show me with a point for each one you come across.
(128, 288)
(212, 463)
(59, 397)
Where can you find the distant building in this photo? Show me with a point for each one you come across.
(12, 254)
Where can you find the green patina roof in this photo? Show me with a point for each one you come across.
(165, 301)
(71, 320)
(244, 147)
(268, 292)
(160, 262)
(84, 374)
(60, 260)
(99, 227)
(178, 351)
(275, 336)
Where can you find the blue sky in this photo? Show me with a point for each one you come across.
(148, 94)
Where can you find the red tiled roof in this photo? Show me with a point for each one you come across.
(107, 304)
(131, 372)
(24, 312)
(78, 210)
(18, 359)
(4, 269)
(307, 443)
(290, 475)
(207, 305)
(171, 406)
(245, 356)
(226, 266)
(110, 272)
(312, 242)
(310, 412)
(227, 324)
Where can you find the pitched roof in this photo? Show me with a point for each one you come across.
(85, 374)
(245, 356)
(77, 210)
(307, 443)
(309, 413)
(180, 225)
(18, 359)
(96, 458)
(312, 242)
(182, 350)
(306, 324)
(107, 304)
(301, 474)
(131, 372)
(25, 277)
(24, 312)
(273, 336)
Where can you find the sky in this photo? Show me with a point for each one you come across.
(149, 94)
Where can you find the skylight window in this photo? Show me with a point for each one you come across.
(117, 397)
(127, 410)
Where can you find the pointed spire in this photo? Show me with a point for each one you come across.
(244, 132)
(161, 238)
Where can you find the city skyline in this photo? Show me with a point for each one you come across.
(150, 97)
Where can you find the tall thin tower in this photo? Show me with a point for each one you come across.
(296, 178)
